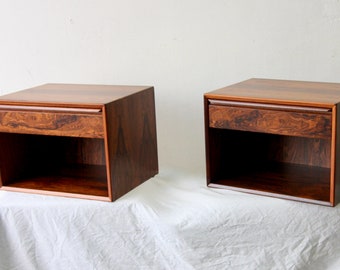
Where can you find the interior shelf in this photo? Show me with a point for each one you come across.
(300, 181)
(81, 179)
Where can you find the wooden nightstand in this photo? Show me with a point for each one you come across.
(275, 137)
(84, 141)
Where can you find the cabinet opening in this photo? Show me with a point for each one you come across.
(270, 163)
(53, 163)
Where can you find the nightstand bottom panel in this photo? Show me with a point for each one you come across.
(89, 180)
(302, 182)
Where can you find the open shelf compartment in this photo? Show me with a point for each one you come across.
(67, 166)
(283, 166)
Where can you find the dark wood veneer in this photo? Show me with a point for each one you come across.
(313, 125)
(98, 148)
(276, 138)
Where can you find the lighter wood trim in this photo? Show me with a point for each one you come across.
(107, 156)
(269, 106)
(49, 109)
(333, 157)
(270, 194)
(56, 193)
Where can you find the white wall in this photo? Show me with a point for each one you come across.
(182, 47)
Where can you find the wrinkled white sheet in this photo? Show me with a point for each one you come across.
(172, 221)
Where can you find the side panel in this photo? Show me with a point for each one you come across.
(336, 157)
(131, 141)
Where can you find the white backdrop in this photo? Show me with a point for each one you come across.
(182, 47)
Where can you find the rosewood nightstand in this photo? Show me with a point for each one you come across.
(275, 137)
(84, 141)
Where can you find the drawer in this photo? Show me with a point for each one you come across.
(274, 119)
(72, 122)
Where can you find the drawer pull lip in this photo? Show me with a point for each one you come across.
(49, 109)
(265, 105)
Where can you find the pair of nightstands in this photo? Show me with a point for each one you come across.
(269, 137)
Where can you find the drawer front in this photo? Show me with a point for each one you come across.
(294, 123)
(52, 123)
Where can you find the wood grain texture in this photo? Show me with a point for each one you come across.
(283, 92)
(271, 121)
(336, 153)
(82, 141)
(300, 181)
(131, 141)
(300, 150)
(70, 95)
(61, 124)
(53, 163)
(92, 181)
(267, 162)
(275, 138)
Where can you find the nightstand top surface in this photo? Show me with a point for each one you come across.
(280, 92)
(76, 94)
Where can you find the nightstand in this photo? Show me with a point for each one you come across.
(277, 138)
(84, 141)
